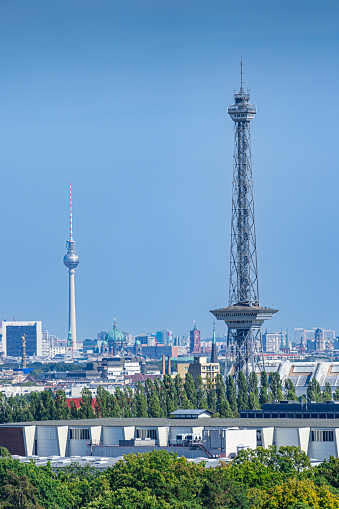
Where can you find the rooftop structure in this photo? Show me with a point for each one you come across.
(244, 315)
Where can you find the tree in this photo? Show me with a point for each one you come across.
(242, 399)
(290, 390)
(231, 395)
(304, 491)
(253, 392)
(327, 392)
(264, 386)
(171, 396)
(201, 393)
(47, 402)
(221, 491)
(223, 406)
(313, 392)
(139, 401)
(86, 409)
(181, 393)
(154, 408)
(190, 389)
(4, 452)
(275, 386)
(73, 411)
(19, 492)
(60, 406)
(211, 395)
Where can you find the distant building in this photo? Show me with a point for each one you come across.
(165, 337)
(146, 339)
(319, 340)
(275, 341)
(200, 366)
(12, 338)
(195, 347)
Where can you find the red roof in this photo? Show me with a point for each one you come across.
(77, 402)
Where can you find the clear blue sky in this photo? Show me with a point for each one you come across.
(127, 99)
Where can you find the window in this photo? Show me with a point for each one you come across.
(147, 433)
(321, 435)
(79, 434)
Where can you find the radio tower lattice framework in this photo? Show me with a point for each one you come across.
(244, 315)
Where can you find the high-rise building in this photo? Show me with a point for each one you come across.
(244, 315)
(195, 347)
(13, 334)
(71, 261)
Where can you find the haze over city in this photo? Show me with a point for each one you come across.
(128, 101)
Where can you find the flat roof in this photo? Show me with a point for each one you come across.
(206, 422)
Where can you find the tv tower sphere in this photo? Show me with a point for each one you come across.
(71, 261)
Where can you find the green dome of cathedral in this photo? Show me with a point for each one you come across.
(114, 335)
(137, 342)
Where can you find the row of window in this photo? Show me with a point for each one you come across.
(79, 433)
(289, 416)
(320, 435)
(147, 433)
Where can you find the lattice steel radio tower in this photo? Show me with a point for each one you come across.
(244, 315)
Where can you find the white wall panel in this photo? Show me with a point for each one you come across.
(47, 441)
(321, 450)
(29, 436)
(112, 435)
(77, 447)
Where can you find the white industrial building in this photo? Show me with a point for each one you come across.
(192, 438)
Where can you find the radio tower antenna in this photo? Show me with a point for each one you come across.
(244, 315)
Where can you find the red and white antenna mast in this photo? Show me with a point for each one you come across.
(70, 212)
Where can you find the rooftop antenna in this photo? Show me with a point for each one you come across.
(241, 76)
(70, 212)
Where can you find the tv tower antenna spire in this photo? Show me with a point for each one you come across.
(70, 212)
(71, 261)
(244, 315)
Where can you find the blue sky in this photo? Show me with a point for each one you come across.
(127, 99)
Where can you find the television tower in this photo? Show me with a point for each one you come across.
(71, 260)
(244, 315)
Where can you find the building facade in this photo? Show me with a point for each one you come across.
(12, 337)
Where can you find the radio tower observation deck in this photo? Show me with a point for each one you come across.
(244, 315)
(71, 261)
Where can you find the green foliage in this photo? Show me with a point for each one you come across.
(275, 387)
(327, 392)
(242, 398)
(264, 386)
(313, 392)
(256, 479)
(290, 391)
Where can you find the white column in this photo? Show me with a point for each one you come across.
(72, 320)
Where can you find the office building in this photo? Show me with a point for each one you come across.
(12, 337)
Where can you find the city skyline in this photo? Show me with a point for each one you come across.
(129, 103)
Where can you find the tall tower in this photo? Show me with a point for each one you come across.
(244, 315)
(195, 340)
(71, 260)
